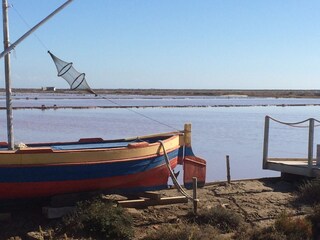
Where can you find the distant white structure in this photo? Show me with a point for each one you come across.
(48, 89)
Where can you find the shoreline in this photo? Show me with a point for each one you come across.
(173, 106)
(275, 93)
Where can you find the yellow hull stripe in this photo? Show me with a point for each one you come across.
(22, 157)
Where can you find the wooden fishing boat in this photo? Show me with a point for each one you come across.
(47, 169)
(136, 164)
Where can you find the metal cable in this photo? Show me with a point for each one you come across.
(28, 25)
(141, 114)
(117, 104)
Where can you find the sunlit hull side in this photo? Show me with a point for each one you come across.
(114, 166)
(42, 170)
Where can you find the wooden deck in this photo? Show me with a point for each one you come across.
(297, 166)
(308, 166)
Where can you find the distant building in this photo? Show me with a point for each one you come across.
(49, 89)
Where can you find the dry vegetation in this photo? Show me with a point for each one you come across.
(266, 209)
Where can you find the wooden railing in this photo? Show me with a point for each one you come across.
(266, 139)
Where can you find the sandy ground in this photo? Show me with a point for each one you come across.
(258, 201)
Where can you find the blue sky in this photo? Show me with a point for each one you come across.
(206, 44)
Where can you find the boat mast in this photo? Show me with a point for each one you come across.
(6, 45)
(6, 55)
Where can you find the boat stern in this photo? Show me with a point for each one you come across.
(193, 166)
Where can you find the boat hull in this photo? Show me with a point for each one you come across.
(154, 179)
(41, 171)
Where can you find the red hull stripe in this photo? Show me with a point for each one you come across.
(152, 179)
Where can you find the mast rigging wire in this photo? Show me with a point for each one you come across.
(28, 25)
(141, 114)
(113, 102)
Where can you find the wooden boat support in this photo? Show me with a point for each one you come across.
(146, 202)
(147, 199)
(309, 166)
(65, 204)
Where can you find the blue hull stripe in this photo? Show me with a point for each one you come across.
(188, 151)
(81, 171)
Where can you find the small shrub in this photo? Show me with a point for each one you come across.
(294, 228)
(314, 217)
(100, 219)
(268, 233)
(221, 218)
(183, 232)
(315, 220)
(309, 191)
(284, 228)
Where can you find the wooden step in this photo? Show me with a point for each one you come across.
(142, 203)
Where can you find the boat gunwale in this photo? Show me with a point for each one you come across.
(121, 154)
(142, 158)
(48, 146)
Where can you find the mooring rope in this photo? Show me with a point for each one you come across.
(173, 177)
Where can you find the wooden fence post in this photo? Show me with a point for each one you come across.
(195, 199)
(265, 142)
(310, 143)
(228, 169)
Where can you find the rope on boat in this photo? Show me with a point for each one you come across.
(295, 124)
(173, 177)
